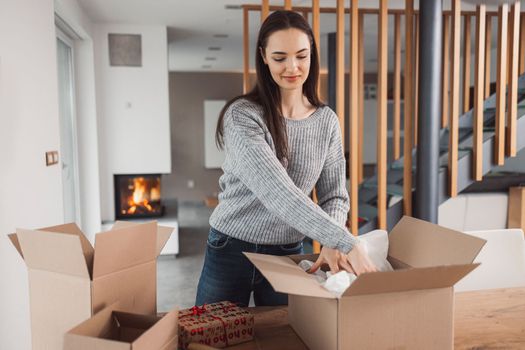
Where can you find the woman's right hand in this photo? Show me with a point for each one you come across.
(359, 260)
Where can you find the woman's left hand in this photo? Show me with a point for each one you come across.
(335, 260)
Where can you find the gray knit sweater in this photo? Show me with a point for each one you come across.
(263, 201)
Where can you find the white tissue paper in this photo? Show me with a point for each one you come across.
(375, 244)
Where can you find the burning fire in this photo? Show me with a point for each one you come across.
(143, 193)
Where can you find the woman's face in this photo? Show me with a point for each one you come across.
(287, 55)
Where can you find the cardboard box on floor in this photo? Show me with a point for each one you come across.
(110, 329)
(69, 280)
(516, 212)
(408, 308)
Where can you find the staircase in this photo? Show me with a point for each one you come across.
(368, 188)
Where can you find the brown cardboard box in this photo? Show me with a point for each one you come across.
(69, 280)
(408, 308)
(115, 330)
(516, 216)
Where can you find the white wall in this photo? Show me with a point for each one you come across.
(133, 110)
(31, 192)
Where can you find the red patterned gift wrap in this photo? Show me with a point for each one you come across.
(218, 325)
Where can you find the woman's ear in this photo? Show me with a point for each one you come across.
(261, 52)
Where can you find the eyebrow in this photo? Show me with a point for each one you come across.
(284, 53)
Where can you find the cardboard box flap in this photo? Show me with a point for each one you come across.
(409, 279)
(163, 233)
(164, 331)
(421, 244)
(98, 325)
(14, 240)
(286, 277)
(56, 252)
(73, 229)
(125, 247)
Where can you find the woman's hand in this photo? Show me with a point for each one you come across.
(358, 258)
(334, 258)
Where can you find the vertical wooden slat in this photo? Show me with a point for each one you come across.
(488, 38)
(512, 93)
(288, 5)
(445, 87)
(454, 99)
(522, 45)
(397, 86)
(246, 51)
(340, 65)
(416, 81)
(316, 30)
(408, 115)
(479, 92)
(265, 9)
(361, 96)
(501, 74)
(354, 111)
(382, 69)
(466, 64)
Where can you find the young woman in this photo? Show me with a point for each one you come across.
(280, 143)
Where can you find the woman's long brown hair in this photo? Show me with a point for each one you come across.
(266, 92)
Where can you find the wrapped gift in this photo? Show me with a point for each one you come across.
(218, 325)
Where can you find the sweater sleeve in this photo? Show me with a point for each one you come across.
(257, 167)
(332, 195)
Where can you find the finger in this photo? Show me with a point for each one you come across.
(316, 265)
(333, 266)
(346, 266)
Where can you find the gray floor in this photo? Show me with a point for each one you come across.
(177, 278)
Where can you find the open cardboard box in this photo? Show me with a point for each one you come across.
(110, 329)
(411, 307)
(69, 280)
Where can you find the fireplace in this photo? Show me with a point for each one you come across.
(138, 196)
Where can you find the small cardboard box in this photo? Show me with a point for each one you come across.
(69, 280)
(516, 212)
(116, 330)
(408, 308)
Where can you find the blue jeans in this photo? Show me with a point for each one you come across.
(228, 275)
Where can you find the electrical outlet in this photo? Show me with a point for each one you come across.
(51, 158)
(191, 184)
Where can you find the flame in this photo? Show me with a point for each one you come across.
(144, 192)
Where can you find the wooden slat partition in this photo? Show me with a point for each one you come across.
(466, 64)
(265, 9)
(397, 87)
(488, 39)
(361, 97)
(512, 93)
(416, 82)
(246, 50)
(408, 115)
(445, 82)
(316, 31)
(501, 75)
(288, 5)
(522, 45)
(340, 66)
(382, 81)
(354, 111)
(454, 99)
(479, 92)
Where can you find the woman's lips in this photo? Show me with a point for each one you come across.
(291, 78)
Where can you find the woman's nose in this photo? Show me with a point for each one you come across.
(291, 64)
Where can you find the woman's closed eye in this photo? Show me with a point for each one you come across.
(282, 59)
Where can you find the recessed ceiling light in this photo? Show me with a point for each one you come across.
(220, 35)
(210, 58)
(206, 66)
(215, 48)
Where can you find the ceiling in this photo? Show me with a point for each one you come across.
(193, 26)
